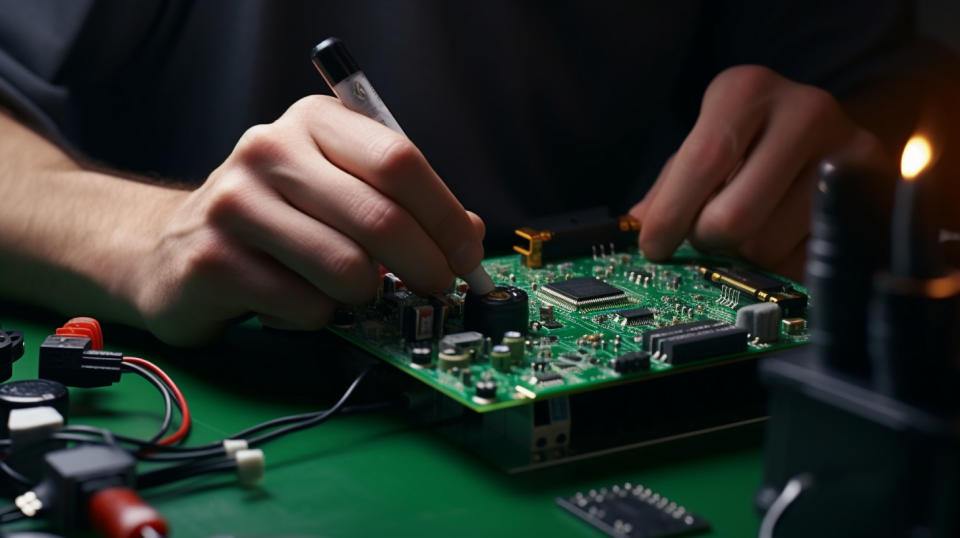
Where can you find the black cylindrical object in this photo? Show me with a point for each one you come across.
(848, 242)
(503, 309)
(31, 393)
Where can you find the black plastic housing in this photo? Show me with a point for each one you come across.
(69, 360)
(11, 349)
(73, 474)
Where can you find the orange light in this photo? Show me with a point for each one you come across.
(917, 155)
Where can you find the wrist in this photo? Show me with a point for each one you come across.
(110, 251)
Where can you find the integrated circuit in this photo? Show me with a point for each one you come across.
(635, 316)
(633, 511)
(584, 293)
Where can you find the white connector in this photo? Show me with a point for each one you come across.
(250, 466)
(32, 424)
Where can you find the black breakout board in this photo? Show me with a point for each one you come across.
(562, 326)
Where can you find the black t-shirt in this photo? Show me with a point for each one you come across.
(524, 108)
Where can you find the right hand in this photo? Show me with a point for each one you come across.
(296, 220)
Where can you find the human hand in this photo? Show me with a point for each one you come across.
(296, 220)
(742, 181)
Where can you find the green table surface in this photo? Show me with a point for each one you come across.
(378, 474)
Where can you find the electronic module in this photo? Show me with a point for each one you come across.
(559, 323)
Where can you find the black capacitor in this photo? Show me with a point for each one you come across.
(31, 393)
(11, 349)
(848, 243)
(421, 355)
(487, 389)
(503, 309)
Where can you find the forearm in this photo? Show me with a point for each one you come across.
(70, 236)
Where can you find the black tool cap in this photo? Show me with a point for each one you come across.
(333, 60)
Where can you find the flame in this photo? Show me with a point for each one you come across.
(917, 155)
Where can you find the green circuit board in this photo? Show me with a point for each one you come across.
(578, 349)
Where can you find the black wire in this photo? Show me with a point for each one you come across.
(10, 513)
(159, 477)
(153, 452)
(299, 422)
(164, 391)
(15, 475)
(320, 418)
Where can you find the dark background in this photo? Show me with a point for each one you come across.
(940, 19)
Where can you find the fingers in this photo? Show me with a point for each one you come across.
(792, 137)
(731, 117)
(639, 210)
(321, 255)
(279, 296)
(791, 266)
(786, 226)
(386, 230)
(391, 164)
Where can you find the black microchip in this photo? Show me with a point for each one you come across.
(575, 357)
(584, 293)
(547, 378)
(635, 316)
(634, 361)
(553, 324)
(642, 273)
(633, 511)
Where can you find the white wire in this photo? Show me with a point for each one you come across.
(795, 486)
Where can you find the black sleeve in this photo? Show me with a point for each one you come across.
(839, 46)
(50, 48)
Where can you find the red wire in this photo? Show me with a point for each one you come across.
(184, 410)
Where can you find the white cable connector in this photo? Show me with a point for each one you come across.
(28, 503)
(32, 424)
(250, 466)
(232, 446)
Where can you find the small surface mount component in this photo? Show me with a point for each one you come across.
(583, 294)
(635, 316)
(633, 511)
(794, 326)
(759, 286)
(635, 361)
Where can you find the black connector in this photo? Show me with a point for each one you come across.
(11, 349)
(72, 475)
(71, 361)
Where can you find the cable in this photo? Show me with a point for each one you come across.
(794, 487)
(319, 419)
(164, 391)
(10, 513)
(184, 428)
(174, 473)
(15, 475)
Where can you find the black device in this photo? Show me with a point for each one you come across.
(862, 439)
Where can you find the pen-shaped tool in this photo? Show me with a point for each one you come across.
(351, 86)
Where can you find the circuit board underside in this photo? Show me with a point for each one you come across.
(578, 324)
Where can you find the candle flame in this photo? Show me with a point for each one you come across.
(917, 155)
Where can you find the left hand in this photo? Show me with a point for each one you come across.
(742, 181)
